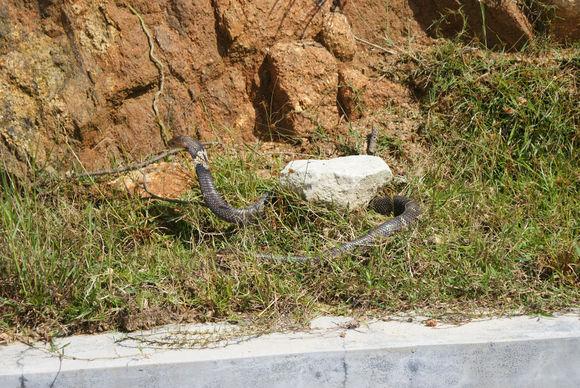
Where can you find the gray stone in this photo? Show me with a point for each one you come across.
(347, 182)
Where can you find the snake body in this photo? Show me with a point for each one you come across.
(404, 209)
(211, 197)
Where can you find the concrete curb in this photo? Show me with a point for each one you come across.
(520, 351)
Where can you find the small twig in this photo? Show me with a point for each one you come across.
(134, 166)
(372, 141)
(130, 167)
(388, 51)
(165, 133)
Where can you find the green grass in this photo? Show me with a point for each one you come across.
(499, 231)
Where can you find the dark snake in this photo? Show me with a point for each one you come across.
(404, 209)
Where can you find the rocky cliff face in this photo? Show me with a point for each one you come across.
(78, 78)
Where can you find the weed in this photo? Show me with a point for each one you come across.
(499, 231)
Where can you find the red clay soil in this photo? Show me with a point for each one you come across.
(77, 81)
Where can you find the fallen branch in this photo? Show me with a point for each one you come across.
(130, 167)
(134, 166)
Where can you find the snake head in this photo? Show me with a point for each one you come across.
(184, 142)
(194, 147)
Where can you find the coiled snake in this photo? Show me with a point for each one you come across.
(404, 209)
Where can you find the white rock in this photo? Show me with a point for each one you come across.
(348, 182)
